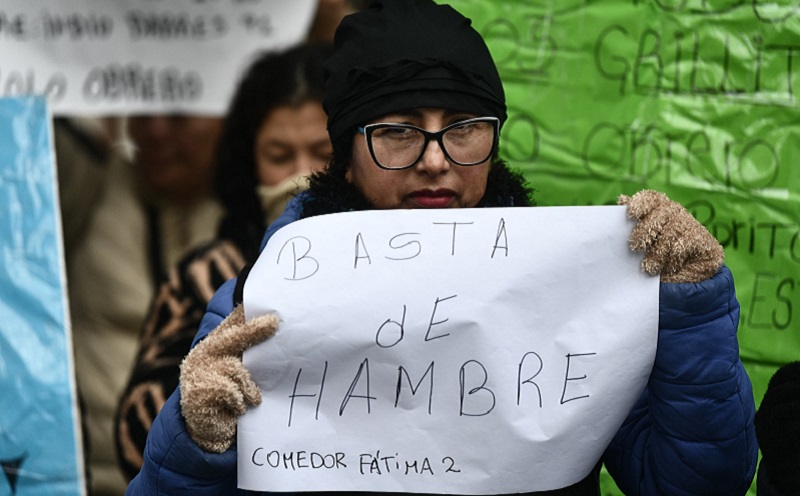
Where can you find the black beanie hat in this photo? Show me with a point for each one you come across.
(401, 54)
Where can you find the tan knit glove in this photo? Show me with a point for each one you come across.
(216, 388)
(675, 245)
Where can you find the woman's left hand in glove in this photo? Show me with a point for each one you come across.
(675, 245)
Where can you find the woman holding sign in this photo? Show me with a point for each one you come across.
(415, 105)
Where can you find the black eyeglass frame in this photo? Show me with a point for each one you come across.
(437, 136)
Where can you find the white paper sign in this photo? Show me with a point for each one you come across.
(467, 351)
(134, 56)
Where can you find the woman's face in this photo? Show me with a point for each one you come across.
(292, 141)
(433, 182)
(175, 153)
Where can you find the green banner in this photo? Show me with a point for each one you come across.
(695, 98)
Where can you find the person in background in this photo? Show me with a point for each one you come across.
(415, 105)
(778, 433)
(274, 136)
(124, 217)
(144, 215)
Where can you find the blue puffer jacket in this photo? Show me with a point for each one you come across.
(691, 432)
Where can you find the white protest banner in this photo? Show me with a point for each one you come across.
(465, 351)
(140, 56)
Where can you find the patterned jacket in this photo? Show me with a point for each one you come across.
(166, 337)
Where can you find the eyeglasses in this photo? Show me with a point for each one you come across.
(400, 146)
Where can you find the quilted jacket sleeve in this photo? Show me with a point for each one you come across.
(173, 464)
(692, 430)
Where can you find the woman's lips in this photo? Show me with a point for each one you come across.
(429, 198)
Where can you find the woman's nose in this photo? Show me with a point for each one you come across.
(433, 160)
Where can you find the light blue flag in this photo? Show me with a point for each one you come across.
(39, 448)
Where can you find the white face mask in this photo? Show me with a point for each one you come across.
(274, 198)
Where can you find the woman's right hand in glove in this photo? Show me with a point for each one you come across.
(215, 386)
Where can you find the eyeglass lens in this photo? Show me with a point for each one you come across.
(397, 147)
